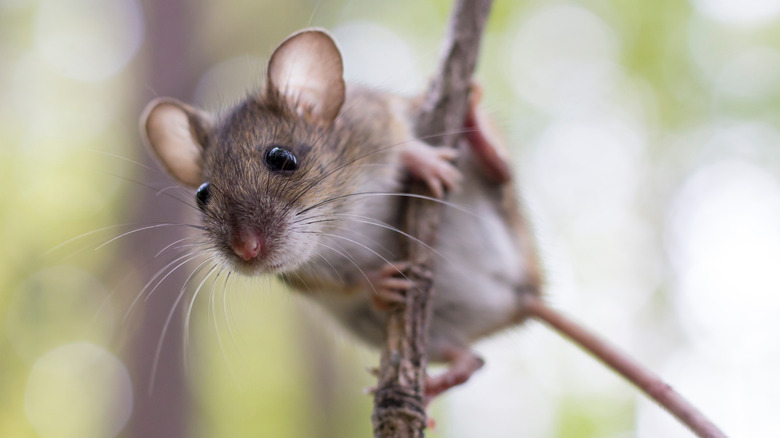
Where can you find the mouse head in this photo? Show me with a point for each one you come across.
(262, 167)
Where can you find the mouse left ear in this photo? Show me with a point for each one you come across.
(177, 134)
(307, 67)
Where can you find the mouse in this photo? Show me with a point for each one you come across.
(304, 179)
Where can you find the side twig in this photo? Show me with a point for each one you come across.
(399, 406)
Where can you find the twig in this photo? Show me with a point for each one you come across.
(399, 406)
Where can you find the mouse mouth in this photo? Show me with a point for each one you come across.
(252, 267)
(253, 258)
(272, 264)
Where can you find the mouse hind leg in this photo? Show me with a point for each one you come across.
(389, 289)
(463, 363)
(489, 151)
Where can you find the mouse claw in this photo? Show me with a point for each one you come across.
(432, 165)
(389, 286)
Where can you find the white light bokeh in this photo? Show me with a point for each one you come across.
(89, 40)
(53, 108)
(736, 386)
(752, 74)
(736, 67)
(374, 55)
(14, 4)
(521, 380)
(726, 242)
(582, 164)
(78, 390)
(563, 57)
(739, 12)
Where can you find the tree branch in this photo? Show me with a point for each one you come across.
(399, 405)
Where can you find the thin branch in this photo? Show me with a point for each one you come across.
(399, 406)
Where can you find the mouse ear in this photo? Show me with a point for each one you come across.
(307, 67)
(177, 134)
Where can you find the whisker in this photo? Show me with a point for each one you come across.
(338, 274)
(343, 227)
(165, 189)
(368, 249)
(120, 157)
(346, 256)
(174, 243)
(146, 228)
(227, 320)
(400, 194)
(189, 315)
(213, 313)
(306, 285)
(376, 151)
(155, 189)
(193, 256)
(375, 222)
(371, 221)
(81, 236)
(170, 317)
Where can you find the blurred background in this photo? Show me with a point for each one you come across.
(646, 143)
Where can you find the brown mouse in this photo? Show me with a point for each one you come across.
(303, 180)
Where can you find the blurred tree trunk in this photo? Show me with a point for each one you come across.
(163, 412)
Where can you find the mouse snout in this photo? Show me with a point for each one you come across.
(247, 244)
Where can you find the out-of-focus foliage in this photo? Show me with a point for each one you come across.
(647, 146)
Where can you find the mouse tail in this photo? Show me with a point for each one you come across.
(650, 383)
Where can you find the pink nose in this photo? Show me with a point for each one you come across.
(247, 245)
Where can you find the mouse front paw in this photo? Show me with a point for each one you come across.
(388, 285)
(433, 166)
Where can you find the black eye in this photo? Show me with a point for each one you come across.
(281, 159)
(203, 195)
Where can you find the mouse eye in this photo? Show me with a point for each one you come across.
(279, 159)
(203, 195)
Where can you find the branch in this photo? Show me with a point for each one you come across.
(399, 405)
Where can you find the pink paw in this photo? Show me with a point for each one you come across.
(463, 364)
(388, 286)
(433, 166)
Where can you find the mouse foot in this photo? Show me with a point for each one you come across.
(432, 165)
(463, 364)
(489, 150)
(388, 286)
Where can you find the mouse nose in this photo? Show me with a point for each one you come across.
(247, 245)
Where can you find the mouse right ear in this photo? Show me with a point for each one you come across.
(307, 68)
(177, 134)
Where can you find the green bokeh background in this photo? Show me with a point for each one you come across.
(689, 86)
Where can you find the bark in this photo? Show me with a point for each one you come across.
(399, 402)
